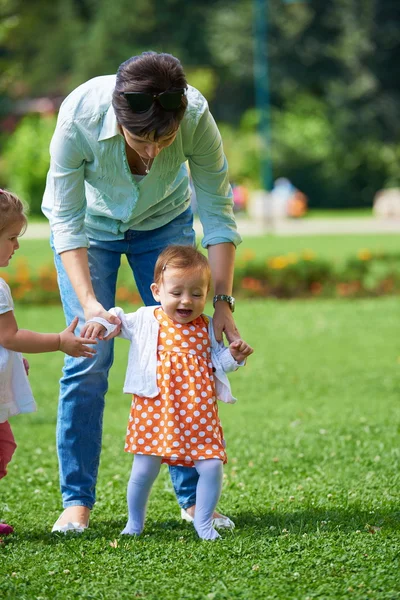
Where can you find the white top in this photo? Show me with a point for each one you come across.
(15, 391)
(141, 329)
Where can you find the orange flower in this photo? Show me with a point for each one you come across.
(278, 262)
(123, 294)
(47, 271)
(22, 273)
(316, 288)
(249, 283)
(248, 254)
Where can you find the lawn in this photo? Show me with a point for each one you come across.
(335, 247)
(312, 479)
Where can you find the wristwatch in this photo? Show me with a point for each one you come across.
(229, 299)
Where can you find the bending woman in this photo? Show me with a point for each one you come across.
(118, 184)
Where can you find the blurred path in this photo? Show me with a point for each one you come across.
(282, 227)
(350, 225)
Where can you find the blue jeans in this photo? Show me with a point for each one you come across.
(84, 382)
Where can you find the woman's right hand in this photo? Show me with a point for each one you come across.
(95, 330)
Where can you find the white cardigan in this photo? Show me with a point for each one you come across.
(141, 329)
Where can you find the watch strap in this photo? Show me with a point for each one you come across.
(229, 299)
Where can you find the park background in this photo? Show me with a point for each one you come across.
(312, 480)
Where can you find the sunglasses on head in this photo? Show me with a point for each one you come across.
(140, 102)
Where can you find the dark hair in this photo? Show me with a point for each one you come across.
(152, 73)
(182, 257)
(12, 210)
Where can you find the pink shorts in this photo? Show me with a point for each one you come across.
(7, 447)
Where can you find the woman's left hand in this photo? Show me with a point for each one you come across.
(223, 322)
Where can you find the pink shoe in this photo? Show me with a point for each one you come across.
(5, 529)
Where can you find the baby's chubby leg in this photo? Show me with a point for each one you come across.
(207, 495)
(144, 472)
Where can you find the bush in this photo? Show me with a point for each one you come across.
(306, 275)
(26, 159)
(288, 276)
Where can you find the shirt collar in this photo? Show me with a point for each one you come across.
(110, 125)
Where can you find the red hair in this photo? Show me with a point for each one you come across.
(182, 257)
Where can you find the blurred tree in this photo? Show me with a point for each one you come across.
(345, 55)
(50, 47)
(26, 158)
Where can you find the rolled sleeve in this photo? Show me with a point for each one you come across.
(228, 363)
(65, 200)
(209, 170)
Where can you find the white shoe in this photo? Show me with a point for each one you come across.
(74, 527)
(221, 522)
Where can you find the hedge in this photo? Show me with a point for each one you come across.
(287, 276)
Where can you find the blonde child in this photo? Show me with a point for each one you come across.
(15, 392)
(176, 372)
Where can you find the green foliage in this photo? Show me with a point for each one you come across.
(332, 76)
(307, 148)
(204, 79)
(26, 159)
(312, 477)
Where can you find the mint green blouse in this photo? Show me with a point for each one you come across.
(91, 193)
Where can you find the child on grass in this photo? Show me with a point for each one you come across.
(176, 372)
(15, 392)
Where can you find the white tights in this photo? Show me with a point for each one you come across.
(144, 472)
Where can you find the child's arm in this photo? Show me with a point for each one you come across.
(240, 350)
(24, 340)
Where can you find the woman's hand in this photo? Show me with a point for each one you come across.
(75, 346)
(240, 350)
(92, 331)
(223, 322)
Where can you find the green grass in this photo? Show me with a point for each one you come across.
(312, 479)
(337, 247)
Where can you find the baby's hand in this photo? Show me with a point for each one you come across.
(96, 324)
(75, 346)
(240, 350)
(93, 329)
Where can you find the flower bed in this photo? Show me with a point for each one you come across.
(305, 275)
(288, 276)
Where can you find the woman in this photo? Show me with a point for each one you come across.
(118, 184)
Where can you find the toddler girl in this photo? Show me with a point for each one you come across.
(15, 392)
(176, 371)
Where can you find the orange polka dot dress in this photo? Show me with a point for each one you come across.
(181, 424)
